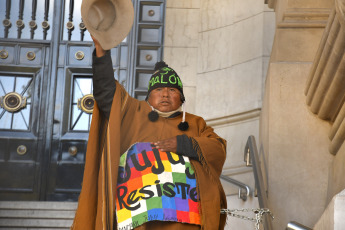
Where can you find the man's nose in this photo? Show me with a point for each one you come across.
(165, 92)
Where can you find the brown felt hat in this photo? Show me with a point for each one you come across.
(109, 21)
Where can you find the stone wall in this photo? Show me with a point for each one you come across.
(235, 42)
(181, 44)
(221, 50)
(296, 148)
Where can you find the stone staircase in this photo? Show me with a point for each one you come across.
(28, 215)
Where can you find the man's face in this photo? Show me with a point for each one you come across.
(165, 99)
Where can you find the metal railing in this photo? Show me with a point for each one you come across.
(251, 157)
(296, 226)
(244, 190)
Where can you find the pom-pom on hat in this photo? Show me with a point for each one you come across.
(164, 76)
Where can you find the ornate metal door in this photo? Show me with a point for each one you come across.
(46, 91)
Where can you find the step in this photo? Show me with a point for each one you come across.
(30, 215)
(44, 205)
(36, 223)
(44, 214)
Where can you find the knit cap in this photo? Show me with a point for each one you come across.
(164, 76)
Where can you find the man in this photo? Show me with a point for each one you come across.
(121, 124)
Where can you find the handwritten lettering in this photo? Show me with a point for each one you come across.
(168, 190)
(172, 79)
(176, 178)
(125, 176)
(160, 165)
(135, 224)
(147, 162)
(121, 198)
(164, 79)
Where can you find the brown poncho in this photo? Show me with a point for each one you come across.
(128, 124)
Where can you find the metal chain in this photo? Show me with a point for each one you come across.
(259, 212)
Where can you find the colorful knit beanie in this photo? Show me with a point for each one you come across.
(164, 76)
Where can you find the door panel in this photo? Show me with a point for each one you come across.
(19, 161)
(72, 117)
(45, 58)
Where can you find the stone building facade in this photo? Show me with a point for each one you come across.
(274, 70)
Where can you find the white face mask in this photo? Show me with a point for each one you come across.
(165, 114)
(183, 126)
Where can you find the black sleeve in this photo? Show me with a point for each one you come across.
(103, 82)
(185, 147)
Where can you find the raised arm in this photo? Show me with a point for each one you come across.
(103, 79)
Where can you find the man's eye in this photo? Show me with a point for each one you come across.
(173, 90)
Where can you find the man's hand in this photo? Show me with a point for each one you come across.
(167, 145)
(100, 52)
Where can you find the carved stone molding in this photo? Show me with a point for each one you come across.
(293, 18)
(325, 89)
(231, 119)
(271, 3)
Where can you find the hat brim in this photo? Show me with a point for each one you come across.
(108, 21)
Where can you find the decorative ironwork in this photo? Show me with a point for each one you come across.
(3, 54)
(73, 22)
(79, 55)
(14, 107)
(7, 22)
(86, 103)
(33, 26)
(30, 55)
(73, 150)
(21, 19)
(82, 28)
(21, 150)
(69, 24)
(151, 13)
(148, 57)
(45, 24)
(19, 22)
(32, 23)
(12, 102)
(82, 104)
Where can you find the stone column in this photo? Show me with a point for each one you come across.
(325, 89)
(293, 139)
(325, 92)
